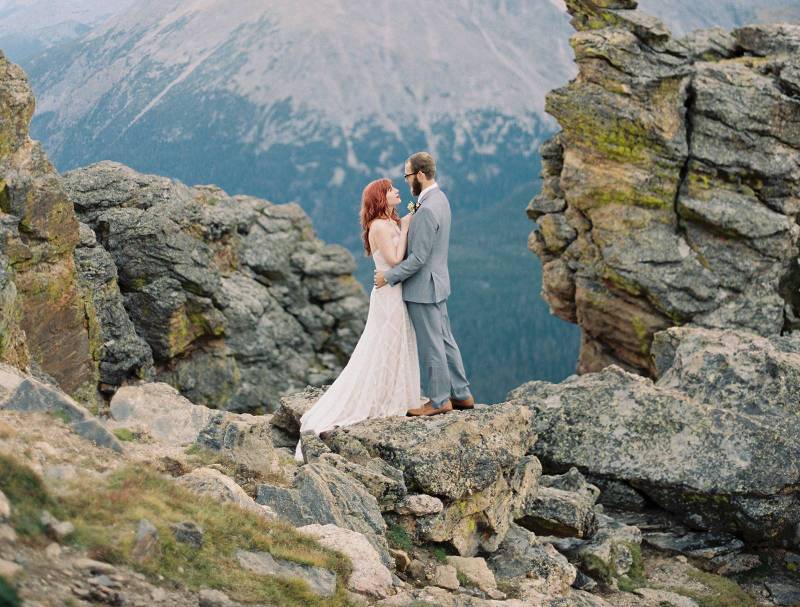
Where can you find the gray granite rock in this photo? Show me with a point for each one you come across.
(562, 505)
(123, 354)
(723, 461)
(323, 495)
(531, 566)
(235, 297)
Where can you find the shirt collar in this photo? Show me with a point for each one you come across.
(426, 190)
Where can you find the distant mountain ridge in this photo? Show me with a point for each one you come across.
(29, 27)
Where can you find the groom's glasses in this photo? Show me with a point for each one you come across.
(410, 174)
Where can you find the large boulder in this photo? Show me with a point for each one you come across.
(473, 462)
(724, 459)
(448, 456)
(531, 567)
(369, 576)
(323, 495)
(669, 195)
(159, 410)
(563, 505)
(213, 484)
(235, 297)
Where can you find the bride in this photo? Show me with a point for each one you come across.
(382, 377)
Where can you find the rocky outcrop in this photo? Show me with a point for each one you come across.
(230, 299)
(43, 312)
(473, 462)
(120, 352)
(235, 297)
(714, 440)
(670, 195)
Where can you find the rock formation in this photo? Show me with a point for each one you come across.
(230, 299)
(235, 297)
(43, 313)
(670, 196)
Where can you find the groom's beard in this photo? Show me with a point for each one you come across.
(416, 187)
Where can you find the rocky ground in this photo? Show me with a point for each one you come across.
(452, 510)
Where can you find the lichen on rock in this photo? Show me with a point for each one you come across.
(670, 195)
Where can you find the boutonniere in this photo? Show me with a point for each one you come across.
(412, 207)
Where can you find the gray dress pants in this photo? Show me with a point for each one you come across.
(441, 370)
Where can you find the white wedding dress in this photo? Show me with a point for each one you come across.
(381, 378)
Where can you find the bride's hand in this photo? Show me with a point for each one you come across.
(405, 221)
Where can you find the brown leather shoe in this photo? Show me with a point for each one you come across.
(467, 403)
(428, 409)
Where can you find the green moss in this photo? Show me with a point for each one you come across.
(721, 592)
(124, 435)
(642, 334)
(399, 538)
(440, 554)
(87, 393)
(605, 573)
(618, 281)
(106, 519)
(27, 494)
(5, 205)
(61, 415)
(8, 595)
(510, 589)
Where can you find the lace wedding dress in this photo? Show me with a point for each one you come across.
(382, 377)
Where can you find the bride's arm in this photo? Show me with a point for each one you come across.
(383, 233)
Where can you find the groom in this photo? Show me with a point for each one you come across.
(426, 285)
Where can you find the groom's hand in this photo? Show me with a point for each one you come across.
(379, 279)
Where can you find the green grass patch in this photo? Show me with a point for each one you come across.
(124, 435)
(464, 580)
(61, 416)
(27, 494)
(722, 592)
(106, 520)
(8, 595)
(399, 538)
(439, 553)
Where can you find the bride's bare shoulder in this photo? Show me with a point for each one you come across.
(379, 224)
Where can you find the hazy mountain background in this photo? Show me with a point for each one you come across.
(309, 101)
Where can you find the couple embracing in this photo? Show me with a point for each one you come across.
(407, 336)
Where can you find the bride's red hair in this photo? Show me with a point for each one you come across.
(374, 206)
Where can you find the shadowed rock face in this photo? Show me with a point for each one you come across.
(670, 196)
(42, 310)
(235, 297)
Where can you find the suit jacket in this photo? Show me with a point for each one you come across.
(424, 270)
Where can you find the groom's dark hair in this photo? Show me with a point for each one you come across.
(422, 161)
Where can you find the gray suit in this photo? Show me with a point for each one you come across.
(426, 286)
